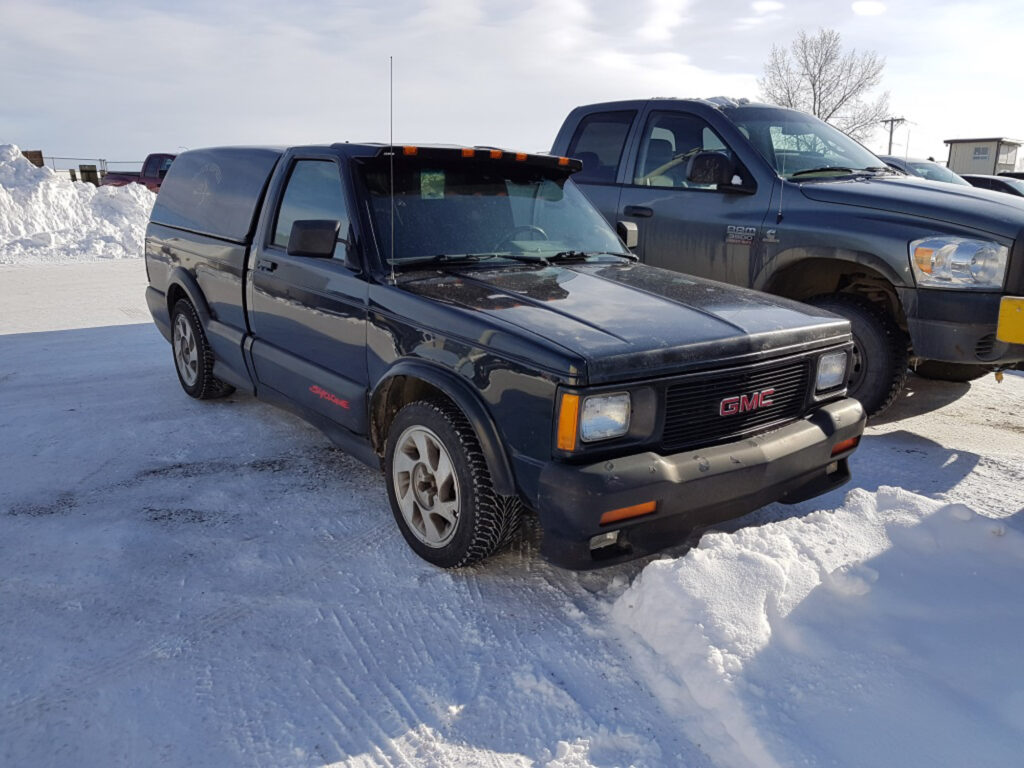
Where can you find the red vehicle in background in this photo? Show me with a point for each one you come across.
(152, 175)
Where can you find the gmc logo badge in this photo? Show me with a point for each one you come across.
(744, 403)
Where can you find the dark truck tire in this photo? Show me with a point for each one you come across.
(961, 372)
(193, 358)
(880, 356)
(440, 487)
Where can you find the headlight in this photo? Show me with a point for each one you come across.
(956, 262)
(604, 416)
(831, 371)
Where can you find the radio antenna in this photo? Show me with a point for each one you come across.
(391, 158)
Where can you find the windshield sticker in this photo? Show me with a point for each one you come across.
(432, 185)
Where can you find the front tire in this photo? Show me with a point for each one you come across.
(193, 357)
(960, 372)
(440, 487)
(879, 368)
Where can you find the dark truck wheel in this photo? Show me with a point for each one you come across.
(962, 372)
(878, 370)
(193, 358)
(440, 487)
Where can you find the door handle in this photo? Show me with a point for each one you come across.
(266, 265)
(640, 211)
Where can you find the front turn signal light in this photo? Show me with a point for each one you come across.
(568, 419)
(625, 513)
(845, 445)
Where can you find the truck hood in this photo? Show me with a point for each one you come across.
(995, 212)
(624, 321)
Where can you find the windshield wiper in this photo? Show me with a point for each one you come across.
(874, 170)
(822, 169)
(572, 255)
(463, 258)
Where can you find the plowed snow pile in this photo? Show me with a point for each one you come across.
(46, 218)
(886, 633)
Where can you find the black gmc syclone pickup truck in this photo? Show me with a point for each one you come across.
(465, 319)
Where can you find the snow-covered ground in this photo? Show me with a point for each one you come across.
(212, 584)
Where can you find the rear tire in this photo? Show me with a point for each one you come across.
(440, 487)
(193, 357)
(879, 368)
(961, 372)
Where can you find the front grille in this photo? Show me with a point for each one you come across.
(692, 408)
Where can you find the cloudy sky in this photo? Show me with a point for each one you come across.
(120, 78)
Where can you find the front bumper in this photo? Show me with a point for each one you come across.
(960, 327)
(692, 489)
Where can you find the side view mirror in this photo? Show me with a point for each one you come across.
(628, 233)
(718, 169)
(709, 168)
(316, 238)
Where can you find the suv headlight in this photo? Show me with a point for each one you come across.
(831, 371)
(956, 262)
(604, 416)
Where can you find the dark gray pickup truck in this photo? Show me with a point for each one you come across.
(773, 199)
(465, 319)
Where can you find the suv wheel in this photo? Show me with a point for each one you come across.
(440, 489)
(962, 372)
(193, 358)
(879, 367)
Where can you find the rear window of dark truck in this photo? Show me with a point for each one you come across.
(216, 192)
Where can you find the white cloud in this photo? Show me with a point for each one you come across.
(868, 8)
(665, 16)
(766, 6)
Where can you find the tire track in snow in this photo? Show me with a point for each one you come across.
(93, 673)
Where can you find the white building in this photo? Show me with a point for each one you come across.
(984, 155)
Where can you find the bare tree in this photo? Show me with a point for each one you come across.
(814, 75)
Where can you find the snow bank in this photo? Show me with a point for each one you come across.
(45, 218)
(887, 632)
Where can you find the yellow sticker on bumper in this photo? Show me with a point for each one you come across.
(1011, 320)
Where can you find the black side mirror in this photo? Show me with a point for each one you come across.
(718, 169)
(313, 237)
(710, 168)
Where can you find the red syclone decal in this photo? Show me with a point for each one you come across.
(323, 394)
(743, 403)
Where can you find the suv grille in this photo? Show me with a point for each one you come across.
(692, 408)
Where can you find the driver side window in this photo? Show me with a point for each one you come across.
(669, 140)
(314, 191)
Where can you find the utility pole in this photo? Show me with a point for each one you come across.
(892, 122)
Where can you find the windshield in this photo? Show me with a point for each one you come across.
(935, 172)
(1013, 183)
(797, 144)
(495, 209)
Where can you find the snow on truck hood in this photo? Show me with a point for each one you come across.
(622, 317)
(995, 212)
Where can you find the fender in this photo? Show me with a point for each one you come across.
(183, 279)
(471, 405)
(837, 258)
(226, 341)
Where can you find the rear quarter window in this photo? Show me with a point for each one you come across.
(598, 144)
